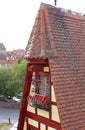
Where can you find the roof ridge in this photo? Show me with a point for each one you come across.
(72, 13)
(66, 12)
(52, 43)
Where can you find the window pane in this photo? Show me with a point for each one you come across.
(40, 90)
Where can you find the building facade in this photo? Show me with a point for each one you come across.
(54, 96)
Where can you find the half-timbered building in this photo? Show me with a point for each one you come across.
(54, 88)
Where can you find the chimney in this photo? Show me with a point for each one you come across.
(55, 2)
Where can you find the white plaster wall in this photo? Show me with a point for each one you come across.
(50, 128)
(33, 122)
(24, 126)
(54, 109)
(55, 114)
(53, 94)
(42, 126)
(30, 109)
(43, 113)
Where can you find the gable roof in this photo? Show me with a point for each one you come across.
(2, 47)
(59, 35)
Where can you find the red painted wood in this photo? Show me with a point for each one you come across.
(44, 120)
(54, 103)
(24, 98)
(33, 128)
(39, 125)
(35, 110)
(50, 113)
(46, 127)
(30, 68)
(38, 61)
(27, 126)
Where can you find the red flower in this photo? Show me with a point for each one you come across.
(40, 99)
(45, 100)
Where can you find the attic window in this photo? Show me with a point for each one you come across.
(40, 88)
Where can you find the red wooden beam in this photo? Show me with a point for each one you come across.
(53, 103)
(44, 120)
(24, 99)
(37, 61)
(32, 128)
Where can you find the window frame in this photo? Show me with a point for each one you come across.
(37, 99)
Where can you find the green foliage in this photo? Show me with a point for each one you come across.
(4, 77)
(12, 79)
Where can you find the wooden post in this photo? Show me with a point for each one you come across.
(24, 98)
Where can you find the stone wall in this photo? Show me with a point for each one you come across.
(9, 104)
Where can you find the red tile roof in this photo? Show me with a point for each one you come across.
(6, 63)
(59, 35)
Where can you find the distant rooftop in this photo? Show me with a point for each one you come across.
(2, 47)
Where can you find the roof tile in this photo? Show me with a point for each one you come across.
(60, 37)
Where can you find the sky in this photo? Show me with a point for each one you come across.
(17, 19)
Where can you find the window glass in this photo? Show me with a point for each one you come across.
(40, 90)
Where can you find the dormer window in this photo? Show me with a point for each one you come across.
(40, 88)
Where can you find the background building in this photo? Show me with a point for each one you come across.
(7, 58)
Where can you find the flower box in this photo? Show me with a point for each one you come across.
(39, 101)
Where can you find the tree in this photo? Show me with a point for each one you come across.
(4, 77)
(15, 82)
(12, 78)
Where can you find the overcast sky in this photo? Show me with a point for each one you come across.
(17, 19)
